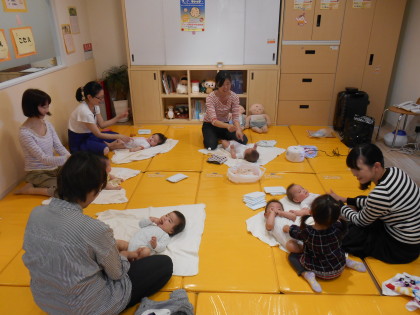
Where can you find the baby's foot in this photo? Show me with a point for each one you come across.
(310, 277)
(359, 266)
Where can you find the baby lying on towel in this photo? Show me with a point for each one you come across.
(140, 143)
(241, 151)
(154, 235)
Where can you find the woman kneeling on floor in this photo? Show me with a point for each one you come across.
(73, 260)
(386, 222)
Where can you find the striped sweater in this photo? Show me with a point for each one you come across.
(396, 201)
(216, 110)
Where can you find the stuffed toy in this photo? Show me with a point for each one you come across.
(257, 120)
(182, 87)
(209, 85)
(242, 117)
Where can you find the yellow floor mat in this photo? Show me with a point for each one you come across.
(350, 282)
(383, 271)
(281, 164)
(154, 190)
(343, 184)
(18, 300)
(281, 134)
(15, 273)
(161, 296)
(153, 128)
(251, 304)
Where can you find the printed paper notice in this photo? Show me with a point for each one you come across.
(192, 15)
(329, 4)
(302, 4)
(362, 4)
(24, 41)
(74, 22)
(4, 48)
(68, 38)
(14, 6)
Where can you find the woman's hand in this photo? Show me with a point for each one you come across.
(231, 128)
(337, 197)
(124, 138)
(122, 115)
(239, 134)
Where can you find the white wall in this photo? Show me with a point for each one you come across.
(406, 79)
(107, 33)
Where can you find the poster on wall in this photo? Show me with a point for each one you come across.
(23, 41)
(302, 5)
(14, 6)
(68, 39)
(192, 15)
(362, 4)
(329, 4)
(4, 48)
(74, 22)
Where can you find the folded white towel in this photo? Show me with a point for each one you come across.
(125, 156)
(183, 247)
(124, 173)
(267, 154)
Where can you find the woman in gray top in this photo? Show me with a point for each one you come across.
(73, 260)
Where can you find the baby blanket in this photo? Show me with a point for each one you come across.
(256, 224)
(267, 154)
(183, 247)
(404, 284)
(125, 156)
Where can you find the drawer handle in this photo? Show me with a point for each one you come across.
(154, 76)
(371, 59)
(132, 57)
(303, 106)
(318, 20)
(306, 80)
(309, 52)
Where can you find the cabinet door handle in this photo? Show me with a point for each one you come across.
(252, 75)
(310, 52)
(318, 20)
(154, 76)
(132, 57)
(303, 106)
(371, 59)
(307, 80)
(274, 56)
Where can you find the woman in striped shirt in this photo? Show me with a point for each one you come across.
(386, 223)
(39, 143)
(219, 104)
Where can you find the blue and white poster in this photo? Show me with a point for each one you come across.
(192, 15)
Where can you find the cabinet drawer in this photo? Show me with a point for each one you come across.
(315, 87)
(303, 112)
(309, 58)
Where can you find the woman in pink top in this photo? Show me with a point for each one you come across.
(219, 104)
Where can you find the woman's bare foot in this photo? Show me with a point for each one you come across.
(29, 189)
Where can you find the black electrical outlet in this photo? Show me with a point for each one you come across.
(417, 129)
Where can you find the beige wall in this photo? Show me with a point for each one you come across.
(406, 80)
(107, 33)
(60, 85)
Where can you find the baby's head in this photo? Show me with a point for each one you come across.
(172, 222)
(274, 205)
(251, 155)
(156, 139)
(296, 193)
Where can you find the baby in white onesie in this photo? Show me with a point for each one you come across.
(154, 235)
(297, 194)
(140, 143)
(241, 151)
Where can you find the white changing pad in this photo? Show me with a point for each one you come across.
(183, 247)
(256, 224)
(267, 154)
(125, 156)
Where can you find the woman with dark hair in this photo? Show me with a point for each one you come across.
(386, 223)
(85, 121)
(39, 143)
(73, 259)
(219, 104)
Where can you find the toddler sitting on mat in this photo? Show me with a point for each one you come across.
(154, 235)
(140, 143)
(241, 151)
